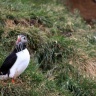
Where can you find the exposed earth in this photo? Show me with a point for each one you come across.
(87, 8)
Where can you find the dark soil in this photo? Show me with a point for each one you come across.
(87, 8)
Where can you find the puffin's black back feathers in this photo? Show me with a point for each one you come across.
(8, 63)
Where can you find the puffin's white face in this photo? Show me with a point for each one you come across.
(22, 39)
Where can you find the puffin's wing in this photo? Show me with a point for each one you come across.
(8, 63)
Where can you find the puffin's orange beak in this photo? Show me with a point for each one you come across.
(18, 40)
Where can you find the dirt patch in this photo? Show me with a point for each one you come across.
(87, 8)
(23, 22)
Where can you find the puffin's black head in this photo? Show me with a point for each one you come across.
(21, 39)
(21, 43)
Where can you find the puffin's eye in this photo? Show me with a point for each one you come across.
(24, 38)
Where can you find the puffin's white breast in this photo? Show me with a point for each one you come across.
(23, 58)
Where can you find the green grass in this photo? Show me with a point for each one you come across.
(61, 44)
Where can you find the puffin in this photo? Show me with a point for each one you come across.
(17, 61)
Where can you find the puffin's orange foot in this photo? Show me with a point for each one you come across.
(13, 81)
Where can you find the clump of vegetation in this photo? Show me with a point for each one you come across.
(61, 44)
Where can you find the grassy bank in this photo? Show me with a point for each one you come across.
(61, 44)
